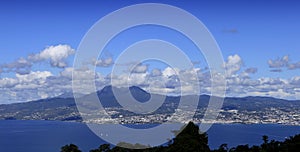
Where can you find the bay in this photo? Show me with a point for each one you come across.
(50, 136)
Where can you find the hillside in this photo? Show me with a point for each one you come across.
(240, 110)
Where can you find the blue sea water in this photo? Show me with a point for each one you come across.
(49, 136)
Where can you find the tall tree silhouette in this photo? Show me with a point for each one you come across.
(70, 148)
(190, 140)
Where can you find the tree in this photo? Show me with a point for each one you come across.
(223, 148)
(70, 148)
(242, 148)
(265, 145)
(102, 148)
(265, 139)
(291, 144)
(190, 140)
(255, 149)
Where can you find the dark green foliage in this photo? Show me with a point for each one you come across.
(70, 148)
(255, 149)
(190, 140)
(222, 148)
(132, 146)
(289, 145)
(102, 148)
(240, 148)
(265, 139)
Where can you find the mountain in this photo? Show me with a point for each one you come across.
(69, 95)
(257, 103)
(44, 109)
(64, 108)
(108, 99)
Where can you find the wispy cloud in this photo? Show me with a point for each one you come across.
(277, 65)
(231, 31)
(279, 62)
(20, 66)
(104, 62)
(276, 70)
(251, 70)
(140, 68)
(293, 66)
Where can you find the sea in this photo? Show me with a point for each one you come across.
(50, 136)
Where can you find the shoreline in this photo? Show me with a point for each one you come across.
(220, 123)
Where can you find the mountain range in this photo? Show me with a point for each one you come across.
(64, 108)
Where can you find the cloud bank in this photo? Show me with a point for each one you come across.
(26, 83)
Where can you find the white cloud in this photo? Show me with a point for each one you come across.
(55, 54)
(293, 66)
(140, 68)
(284, 62)
(137, 79)
(105, 62)
(39, 75)
(20, 66)
(43, 94)
(233, 64)
(8, 82)
(124, 80)
(279, 62)
(295, 81)
(67, 72)
(20, 63)
(44, 84)
(156, 72)
(24, 87)
(167, 72)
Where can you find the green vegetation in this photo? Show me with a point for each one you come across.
(190, 140)
(70, 148)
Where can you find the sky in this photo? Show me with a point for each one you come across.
(259, 42)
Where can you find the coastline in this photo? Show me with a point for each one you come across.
(196, 122)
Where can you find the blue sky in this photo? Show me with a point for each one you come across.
(258, 34)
